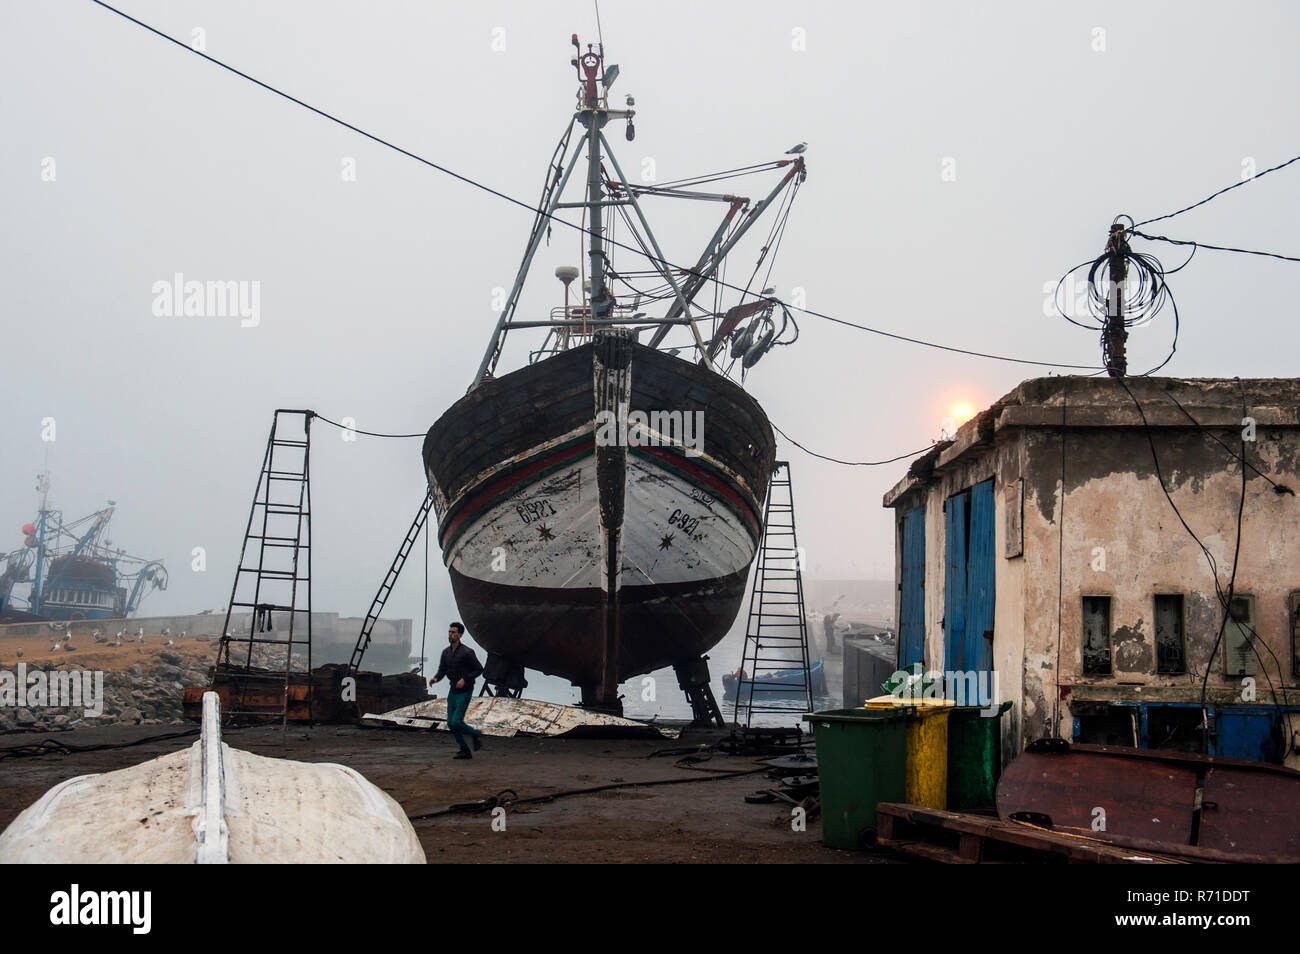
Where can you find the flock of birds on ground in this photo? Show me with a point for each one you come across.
(64, 645)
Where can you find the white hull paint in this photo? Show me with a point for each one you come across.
(547, 533)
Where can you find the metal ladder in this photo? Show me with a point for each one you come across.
(776, 632)
(390, 580)
(280, 523)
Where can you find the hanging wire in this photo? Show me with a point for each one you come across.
(1144, 286)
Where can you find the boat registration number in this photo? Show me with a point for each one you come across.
(684, 521)
(531, 510)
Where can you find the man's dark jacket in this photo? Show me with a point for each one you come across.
(459, 663)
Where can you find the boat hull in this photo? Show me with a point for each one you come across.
(594, 561)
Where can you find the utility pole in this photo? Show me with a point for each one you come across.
(1114, 335)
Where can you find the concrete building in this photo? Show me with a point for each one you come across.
(1040, 545)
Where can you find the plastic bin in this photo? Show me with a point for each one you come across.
(974, 756)
(861, 760)
(927, 747)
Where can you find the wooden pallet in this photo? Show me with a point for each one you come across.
(960, 838)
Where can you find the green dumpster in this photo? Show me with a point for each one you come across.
(861, 760)
(974, 756)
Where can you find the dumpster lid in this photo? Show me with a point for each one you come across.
(891, 702)
(827, 716)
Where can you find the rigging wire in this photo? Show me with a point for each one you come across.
(357, 430)
(707, 177)
(522, 204)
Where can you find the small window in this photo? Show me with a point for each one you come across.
(1293, 604)
(1096, 635)
(1170, 653)
(1240, 657)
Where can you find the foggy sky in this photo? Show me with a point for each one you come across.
(376, 295)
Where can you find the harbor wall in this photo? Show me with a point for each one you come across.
(333, 636)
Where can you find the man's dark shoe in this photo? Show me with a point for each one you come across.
(478, 743)
(463, 754)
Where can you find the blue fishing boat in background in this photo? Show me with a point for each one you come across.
(777, 685)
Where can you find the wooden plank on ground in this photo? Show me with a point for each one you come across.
(961, 838)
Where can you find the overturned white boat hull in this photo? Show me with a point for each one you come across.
(212, 803)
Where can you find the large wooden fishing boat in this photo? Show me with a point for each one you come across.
(599, 507)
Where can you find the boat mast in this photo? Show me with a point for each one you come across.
(43, 487)
(593, 119)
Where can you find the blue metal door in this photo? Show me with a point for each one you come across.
(1247, 732)
(954, 587)
(980, 565)
(911, 606)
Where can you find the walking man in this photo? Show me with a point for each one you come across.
(461, 667)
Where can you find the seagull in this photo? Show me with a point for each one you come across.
(55, 648)
(169, 643)
(797, 150)
(182, 634)
(140, 638)
(166, 631)
(20, 652)
(141, 632)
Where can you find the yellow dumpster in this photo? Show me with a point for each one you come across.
(926, 776)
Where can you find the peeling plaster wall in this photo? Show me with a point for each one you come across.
(1122, 539)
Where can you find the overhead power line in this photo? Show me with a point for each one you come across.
(1217, 248)
(536, 211)
(851, 463)
(1215, 195)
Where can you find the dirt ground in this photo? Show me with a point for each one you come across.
(93, 655)
(703, 821)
